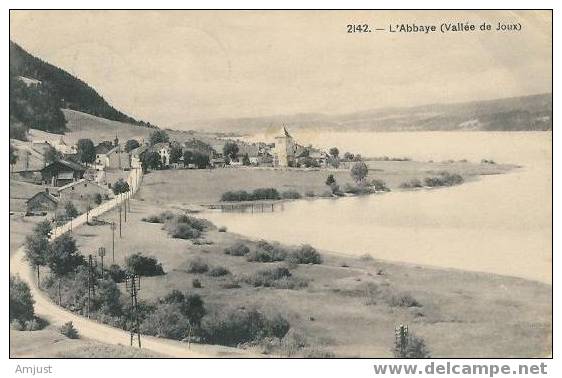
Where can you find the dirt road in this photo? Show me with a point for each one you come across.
(93, 330)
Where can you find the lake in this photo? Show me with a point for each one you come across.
(499, 224)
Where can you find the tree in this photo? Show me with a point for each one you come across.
(246, 160)
(144, 266)
(151, 160)
(359, 171)
(120, 186)
(191, 306)
(63, 258)
(131, 144)
(13, 156)
(334, 152)
(51, 155)
(231, 150)
(187, 157)
(86, 151)
(348, 156)
(36, 252)
(158, 136)
(201, 160)
(21, 301)
(70, 210)
(175, 153)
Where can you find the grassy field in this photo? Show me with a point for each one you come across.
(345, 308)
(49, 343)
(183, 187)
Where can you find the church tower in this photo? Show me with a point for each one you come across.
(284, 149)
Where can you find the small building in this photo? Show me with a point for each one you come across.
(217, 162)
(112, 158)
(63, 147)
(164, 150)
(82, 190)
(137, 156)
(41, 203)
(62, 172)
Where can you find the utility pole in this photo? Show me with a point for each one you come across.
(132, 285)
(124, 200)
(91, 283)
(101, 253)
(113, 227)
(120, 208)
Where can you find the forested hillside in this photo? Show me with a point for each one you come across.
(36, 103)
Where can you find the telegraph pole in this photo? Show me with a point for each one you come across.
(91, 283)
(124, 200)
(120, 208)
(101, 253)
(132, 285)
(113, 241)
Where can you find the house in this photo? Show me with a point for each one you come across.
(62, 172)
(64, 148)
(285, 148)
(112, 157)
(82, 190)
(41, 203)
(164, 150)
(137, 156)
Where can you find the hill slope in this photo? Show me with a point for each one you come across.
(507, 114)
(38, 89)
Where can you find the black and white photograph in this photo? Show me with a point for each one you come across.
(280, 184)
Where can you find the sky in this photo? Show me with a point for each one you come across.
(171, 67)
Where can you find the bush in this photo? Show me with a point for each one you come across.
(415, 347)
(358, 189)
(98, 199)
(257, 194)
(238, 249)
(69, 331)
(196, 283)
(152, 219)
(410, 184)
(116, 273)
(144, 266)
(197, 265)
(403, 300)
(380, 185)
(21, 301)
(16, 325)
(166, 321)
(266, 277)
(222, 229)
(267, 252)
(218, 271)
(291, 194)
(232, 327)
(309, 193)
(182, 231)
(305, 254)
(443, 179)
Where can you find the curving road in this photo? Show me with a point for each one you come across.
(47, 309)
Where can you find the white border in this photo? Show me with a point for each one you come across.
(255, 368)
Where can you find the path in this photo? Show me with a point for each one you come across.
(91, 329)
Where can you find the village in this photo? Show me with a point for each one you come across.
(85, 175)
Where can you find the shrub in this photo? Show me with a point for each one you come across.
(366, 257)
(197, 265)
(152, 219)
(196, 223)
(415, 347)
(116, 273)
(238, 249)
(410, 184)
(443, 179)
(380, 185)
(182, 231)
(21, 301)
(16, 325)
(144, 266)
(265, 194)
(196, 283)
(166, 321)
(309, 193)
(232, 284)
(291, 194)
(358, 189)
(218, 271)
(257, 194)
(267, 252)
(222, 229)
(69, 331)
(266, 277)
(305, 254)
(232, 327)
(98, 199)
(403, 300)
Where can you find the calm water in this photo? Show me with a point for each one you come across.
(499, 224)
